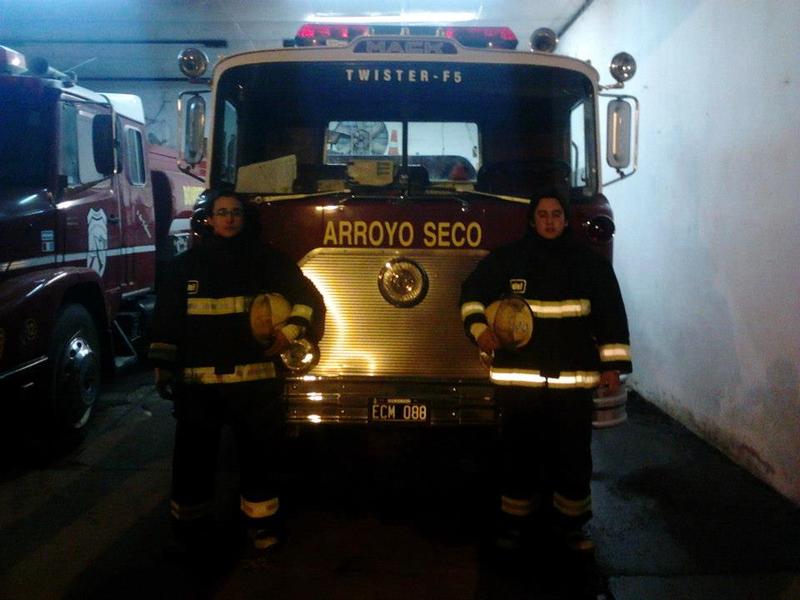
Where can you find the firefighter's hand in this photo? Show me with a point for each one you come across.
(487, 341)
(280, 344)
(609, 383)
(165, 383)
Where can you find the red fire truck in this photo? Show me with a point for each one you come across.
(388, 162)
(79, 230)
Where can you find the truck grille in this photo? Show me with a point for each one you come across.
(365, 336)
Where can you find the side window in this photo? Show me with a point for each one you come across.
(577, 147)
(77, 161)
(582, 150)
(68, 160)
(135, 158)
(229, 144)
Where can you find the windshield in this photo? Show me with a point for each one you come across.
(26, 123)
(307, 127)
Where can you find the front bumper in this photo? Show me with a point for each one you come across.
(338, 401)
(22, 388)
(323, 401)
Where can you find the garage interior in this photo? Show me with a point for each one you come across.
(706, 253)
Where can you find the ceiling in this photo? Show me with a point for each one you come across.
(139, 40)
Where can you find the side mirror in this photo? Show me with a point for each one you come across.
(103, 144)
(618, 134)
(191, 127)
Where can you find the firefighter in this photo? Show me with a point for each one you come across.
(543, 390)
(209, 362)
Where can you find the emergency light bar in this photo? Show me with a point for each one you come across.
(482, 37)
(320, 34)
(330, 34)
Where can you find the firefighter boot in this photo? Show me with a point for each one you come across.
(191, 540)
(510, 532)
(579, 540)
(264, 536)
(264, 540)
(570, 519)
(519, 523)
(573, 538)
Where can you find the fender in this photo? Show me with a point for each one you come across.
(29, 305)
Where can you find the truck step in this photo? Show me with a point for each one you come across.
(146, 304)
(126, 331)
(123, 363)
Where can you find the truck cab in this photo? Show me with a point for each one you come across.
(388, 163)
(78, 231)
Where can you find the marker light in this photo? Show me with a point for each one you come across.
(623, 67)
(193, 62)
(11, 61)
(544, 40)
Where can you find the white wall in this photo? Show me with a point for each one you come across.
(708, 232)
(160, 101)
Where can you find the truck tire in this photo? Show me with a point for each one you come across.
(74, 356)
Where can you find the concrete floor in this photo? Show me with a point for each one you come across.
(674, 519)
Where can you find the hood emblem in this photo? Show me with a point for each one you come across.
(402, 282)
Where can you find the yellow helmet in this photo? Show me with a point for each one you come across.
(511, 320)
(268, 313)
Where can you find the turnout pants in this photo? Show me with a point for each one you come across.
(256, 415)
(546, 454)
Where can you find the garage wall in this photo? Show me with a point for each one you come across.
(708, 232)
(160, 100)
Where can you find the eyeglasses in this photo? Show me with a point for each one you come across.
(224, 212)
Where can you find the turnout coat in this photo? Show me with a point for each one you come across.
(201, 327)
(580, 327)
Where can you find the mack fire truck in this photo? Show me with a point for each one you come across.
(388, 162)
(82, 216)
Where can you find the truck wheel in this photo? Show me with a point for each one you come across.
(74, 354)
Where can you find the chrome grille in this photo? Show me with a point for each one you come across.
(365, 336)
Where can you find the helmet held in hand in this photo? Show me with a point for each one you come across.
(511, 320)
(268, 313)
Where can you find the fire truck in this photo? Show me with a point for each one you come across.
(388, 162)
(82, 216)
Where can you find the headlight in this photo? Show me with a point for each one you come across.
(302, 356)
(600, 229)
(403, 282)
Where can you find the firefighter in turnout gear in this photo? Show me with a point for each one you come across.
(543, 390)
(210, 363)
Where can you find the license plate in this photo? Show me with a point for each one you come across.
(398, 410)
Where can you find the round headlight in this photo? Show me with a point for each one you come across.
(302, 356)
(600, 229)
(402, 282)
(193, 62)
(623, 67)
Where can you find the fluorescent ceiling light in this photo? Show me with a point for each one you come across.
(403, 18)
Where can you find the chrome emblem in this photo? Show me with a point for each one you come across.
(402, 282)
